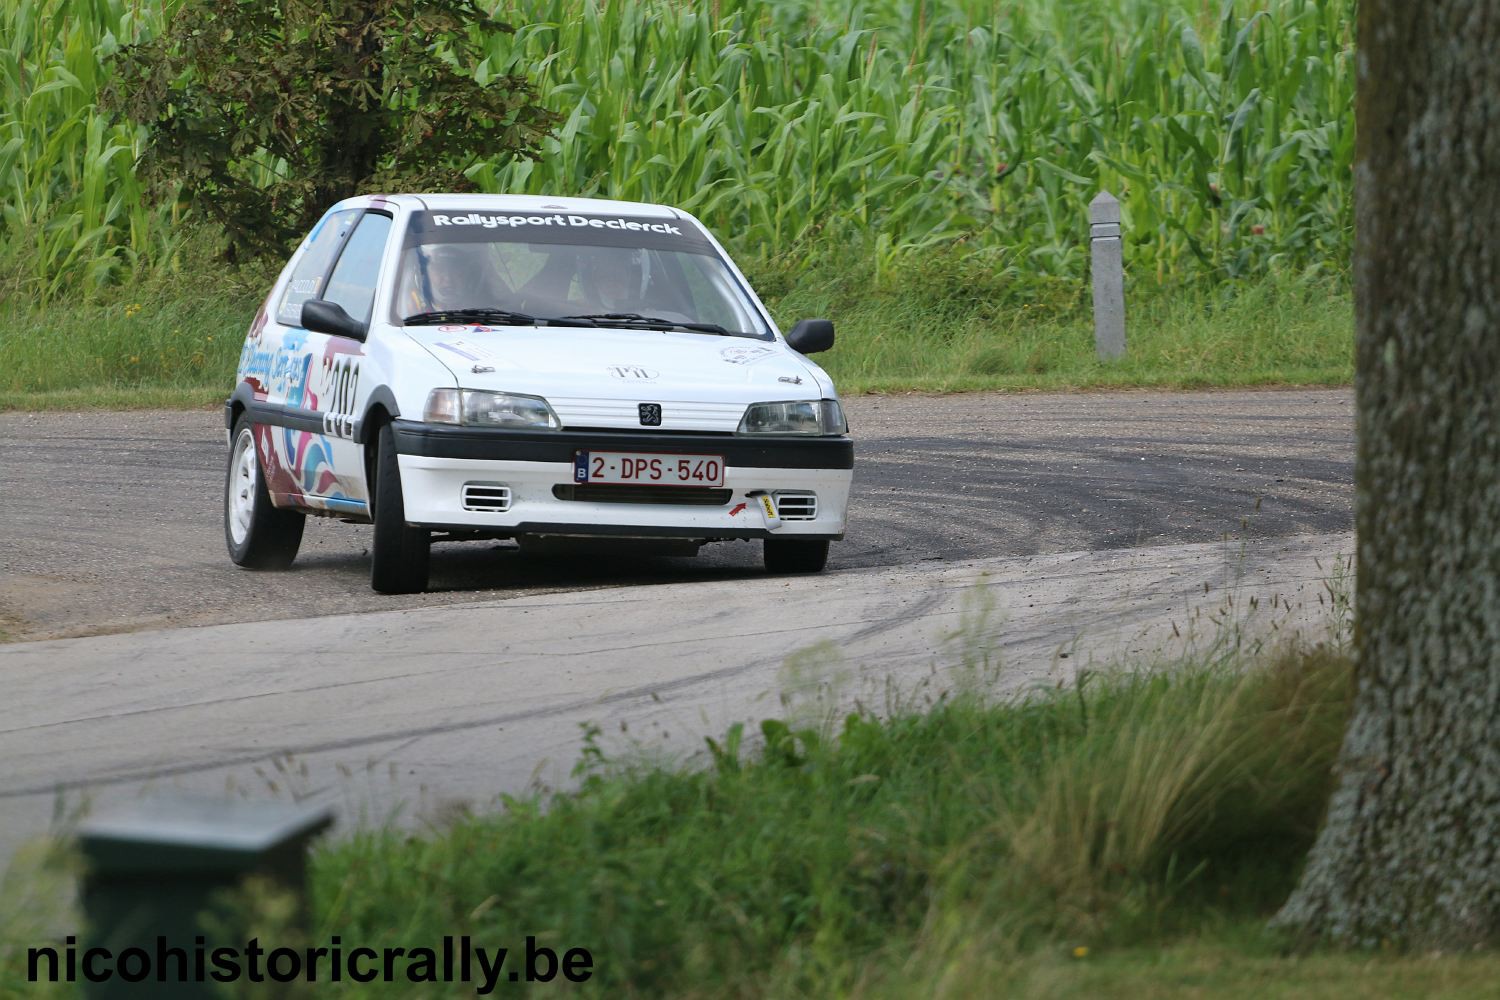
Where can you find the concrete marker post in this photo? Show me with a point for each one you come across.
(1108, 276)
(154, 869)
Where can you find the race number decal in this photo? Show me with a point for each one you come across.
(342, 380)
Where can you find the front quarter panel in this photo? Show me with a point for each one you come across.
(407, 373)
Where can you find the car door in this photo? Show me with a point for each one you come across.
(281, 367)
(341, 376)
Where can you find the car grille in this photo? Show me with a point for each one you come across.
(697, 496)
(796, 506)
(490, 498)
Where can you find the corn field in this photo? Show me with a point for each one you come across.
(886, 126)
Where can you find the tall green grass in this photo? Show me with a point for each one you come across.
(1128, 810)
(1225, 128)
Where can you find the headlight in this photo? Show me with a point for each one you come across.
(473, 407)
(812, 416)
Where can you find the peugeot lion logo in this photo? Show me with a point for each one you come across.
(650, 414)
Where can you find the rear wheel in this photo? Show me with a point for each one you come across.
(796, 555)
(400, 553)
(259, 535)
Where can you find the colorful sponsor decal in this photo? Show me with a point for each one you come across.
(280, 482)
(255, 364)
(289, 369)
(258, 325)
(299, 467)
(467, 351)
(299, 464)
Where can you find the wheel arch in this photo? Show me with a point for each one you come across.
(237, 404)
(380, 410)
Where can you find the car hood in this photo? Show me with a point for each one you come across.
(598, 377)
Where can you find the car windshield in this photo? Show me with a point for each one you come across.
(569, 270)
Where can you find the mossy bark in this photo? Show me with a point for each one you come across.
(1410, 851)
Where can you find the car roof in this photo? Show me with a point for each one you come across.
(438, 201)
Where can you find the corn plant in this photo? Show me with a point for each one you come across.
(884, 127)
(72, 212)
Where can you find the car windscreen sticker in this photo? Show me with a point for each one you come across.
(745, 355)
(468, 351)
(633, 231)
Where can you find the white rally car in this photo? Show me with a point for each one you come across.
(496, 366)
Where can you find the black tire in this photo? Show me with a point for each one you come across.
(796, 555)
(399, 552)
(268, 537)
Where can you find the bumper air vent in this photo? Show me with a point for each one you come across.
(489, 498)
(797, 506)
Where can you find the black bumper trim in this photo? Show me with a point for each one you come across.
(620, 531)
(437, 441)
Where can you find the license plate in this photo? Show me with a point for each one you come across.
(635, 468)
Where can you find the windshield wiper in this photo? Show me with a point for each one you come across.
(629, 319)
(507, 316)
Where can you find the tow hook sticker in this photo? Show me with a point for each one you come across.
(767, 509)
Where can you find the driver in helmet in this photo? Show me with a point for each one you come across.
(451, 276)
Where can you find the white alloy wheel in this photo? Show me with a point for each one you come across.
(259, 535)
(244, 473)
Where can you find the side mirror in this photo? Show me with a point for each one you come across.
(810, 336)
(322, 316)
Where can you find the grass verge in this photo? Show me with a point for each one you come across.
(951, 323)
(944, 322)
(1125, 812)
(1127, 836)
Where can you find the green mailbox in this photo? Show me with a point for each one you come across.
(152, 870)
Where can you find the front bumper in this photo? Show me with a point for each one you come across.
(437, 463)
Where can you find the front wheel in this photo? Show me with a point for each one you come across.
(796, 555)
(259, 534)
(399, 552)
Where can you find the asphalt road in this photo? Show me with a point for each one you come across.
(111, 522)
(410, 715)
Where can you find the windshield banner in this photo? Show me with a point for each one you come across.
(645, 232)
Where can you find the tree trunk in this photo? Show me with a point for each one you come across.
(1410, 851)
(354, 138)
